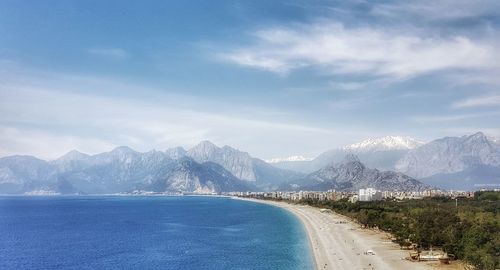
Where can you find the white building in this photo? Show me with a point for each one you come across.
(369, 194)
(353, 198)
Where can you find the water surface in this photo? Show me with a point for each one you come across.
(114, 232)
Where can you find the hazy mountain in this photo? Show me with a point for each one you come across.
(302, 166)
(351, 175)
(387, 143)
(120, 170)
(468, 162)
(190, 176)
(176, 152)
(242, 165)
(290, 158)
(381, 153)
(293, 163)
(20, 173)
(458, 161)
(204, 168)
(474, 178)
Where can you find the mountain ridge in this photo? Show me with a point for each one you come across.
(119, 170)
(385, 143)
(351, 174)
(242, 165)
(465, 162)
(381, 153)
(459, 156)
(468, 162)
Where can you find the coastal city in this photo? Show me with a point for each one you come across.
(250, 135)
(368, 194)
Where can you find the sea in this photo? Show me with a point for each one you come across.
(149, 232)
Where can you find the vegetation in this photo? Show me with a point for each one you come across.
(469, 228)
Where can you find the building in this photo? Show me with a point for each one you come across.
(369, 194)
(353, 198)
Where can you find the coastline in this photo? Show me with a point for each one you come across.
(338, 243)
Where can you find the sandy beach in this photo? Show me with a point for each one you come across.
(339, 243)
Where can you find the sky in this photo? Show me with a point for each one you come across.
(273, 78)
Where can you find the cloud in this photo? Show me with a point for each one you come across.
(347, 86)
(491, 100)
(450, 118)
(46, 144)
(334, 48)
(46, 119)
(493, 133)
(112, 53)
(438, 10)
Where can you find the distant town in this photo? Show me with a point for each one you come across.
(368, 194)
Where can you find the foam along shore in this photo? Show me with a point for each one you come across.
(338, 243)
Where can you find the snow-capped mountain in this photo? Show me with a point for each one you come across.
(290, 159)
(119, 170)
(386, 143)
(351, 174)
(463, 157)
(467, 162)
(381, 153)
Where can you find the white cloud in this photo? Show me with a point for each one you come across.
(332, 47)
(47, 120)
(437, 10)
(114, 53)
(464, 130)
(347, 86)
(46, 144)
(491, 100)
(451, 118)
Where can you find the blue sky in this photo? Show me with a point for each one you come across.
(274, 78)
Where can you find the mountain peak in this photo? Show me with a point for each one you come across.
(176, 152)
(351, 175)
(205, 144)
(385, 143)
(73, 155)
(477, 136)
(203, 151)
(451, 155)
(122, 150)
(350, 158)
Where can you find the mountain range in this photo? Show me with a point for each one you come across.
(242, 165)
(351, 174)
(381, 153)
(388, 163)
(468, 162)
(204, 168)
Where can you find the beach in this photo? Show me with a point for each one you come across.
(339, 243)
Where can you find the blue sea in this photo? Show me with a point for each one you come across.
(113, 232)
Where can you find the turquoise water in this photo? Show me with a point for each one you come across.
(148, 233)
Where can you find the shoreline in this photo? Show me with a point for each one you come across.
(309, 241)
(336, 242)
